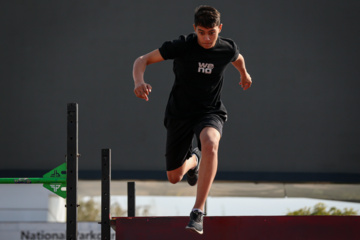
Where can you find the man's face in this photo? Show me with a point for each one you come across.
(207, 36)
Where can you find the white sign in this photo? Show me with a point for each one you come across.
(49, 231)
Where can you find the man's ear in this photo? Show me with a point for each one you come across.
(220, 27)
(194, 27)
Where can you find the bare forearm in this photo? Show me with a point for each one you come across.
(141, 63)
(139, 68)
(239, 64)
(245, 78)
(143, 89)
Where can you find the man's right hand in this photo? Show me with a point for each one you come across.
(143, 90)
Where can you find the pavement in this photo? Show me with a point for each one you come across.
(326, 191)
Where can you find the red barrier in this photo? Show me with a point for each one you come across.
(241, 228)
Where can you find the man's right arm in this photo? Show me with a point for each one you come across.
(143, 89)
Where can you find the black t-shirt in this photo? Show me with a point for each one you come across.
(198, 76)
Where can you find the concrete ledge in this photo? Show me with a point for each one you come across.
(243, 228)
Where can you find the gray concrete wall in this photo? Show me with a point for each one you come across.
(301, 114)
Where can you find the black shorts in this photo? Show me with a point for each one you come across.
(180, 134)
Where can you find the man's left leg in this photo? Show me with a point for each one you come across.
(209, 138)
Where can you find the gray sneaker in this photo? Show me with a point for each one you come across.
(196, 222)
(192, 175)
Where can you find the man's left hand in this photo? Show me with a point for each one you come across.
(245, 81)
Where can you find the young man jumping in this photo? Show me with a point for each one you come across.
(194, 106)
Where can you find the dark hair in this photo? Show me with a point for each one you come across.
(207, 16)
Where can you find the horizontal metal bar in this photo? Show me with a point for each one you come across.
(31, 180)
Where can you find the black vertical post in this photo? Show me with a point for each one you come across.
(205, 209)
(72, 171)
(131, 199)
(105, 193)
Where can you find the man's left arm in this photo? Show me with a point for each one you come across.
(245, 79)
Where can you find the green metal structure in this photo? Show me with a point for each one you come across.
(54, 180)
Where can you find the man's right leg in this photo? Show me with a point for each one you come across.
(176, 175)
(179, 159)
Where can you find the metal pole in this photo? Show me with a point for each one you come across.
(131, 199)
(205, 209)
(31, 180)
(105, 196)
(72, 171)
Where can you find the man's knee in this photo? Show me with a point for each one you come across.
(209, 147)
(173, 177)
(210, 139)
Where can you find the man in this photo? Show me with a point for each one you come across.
(194, 106)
